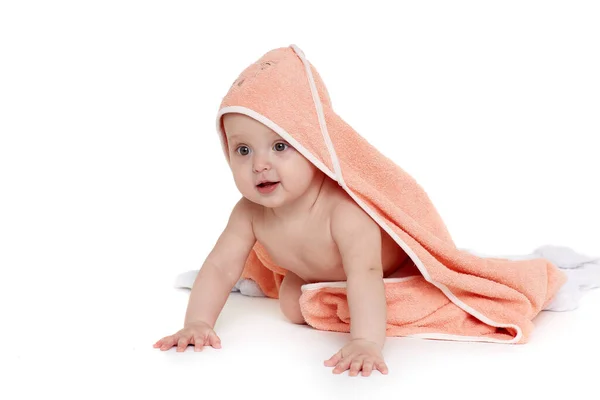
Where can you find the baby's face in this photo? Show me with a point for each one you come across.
(257, 153)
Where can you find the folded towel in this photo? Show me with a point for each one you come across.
(418, 310)
(455, 294)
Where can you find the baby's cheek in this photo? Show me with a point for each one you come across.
(241, 183)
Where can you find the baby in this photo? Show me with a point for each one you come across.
(310, 227)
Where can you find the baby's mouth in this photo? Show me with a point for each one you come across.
(267, 184)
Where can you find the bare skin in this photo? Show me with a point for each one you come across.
(310, 227)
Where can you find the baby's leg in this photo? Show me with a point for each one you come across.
(289, 297)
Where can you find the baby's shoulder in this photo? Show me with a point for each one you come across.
(246, 209)
(347, 216)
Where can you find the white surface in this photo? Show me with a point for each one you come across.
(263, 356)
(112, 181)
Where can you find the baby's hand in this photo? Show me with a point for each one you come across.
(358, 355)
(199, 334)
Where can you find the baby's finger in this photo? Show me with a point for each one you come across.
(367, 368)
(168, 342)
(214, 340)
(198, 343)
(382, 367)
(334, 359)
(355, 367)
(343, 365)
(182, 343)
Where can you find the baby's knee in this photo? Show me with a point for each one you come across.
(289, 299)
(290, 307)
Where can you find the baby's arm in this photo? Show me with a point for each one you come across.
(359, 241)
(358, 238)
(222, 267)
(219, 273)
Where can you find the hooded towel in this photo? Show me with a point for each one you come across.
(455, 295)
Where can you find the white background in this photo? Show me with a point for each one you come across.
(112, 182)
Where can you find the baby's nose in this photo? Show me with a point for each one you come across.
(260, 168)
(263, 165)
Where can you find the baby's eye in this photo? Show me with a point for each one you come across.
(281, 146)
(243, 148)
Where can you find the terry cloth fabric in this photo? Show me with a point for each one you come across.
(456, 295)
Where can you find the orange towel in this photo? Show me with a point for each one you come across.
(454, 295)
